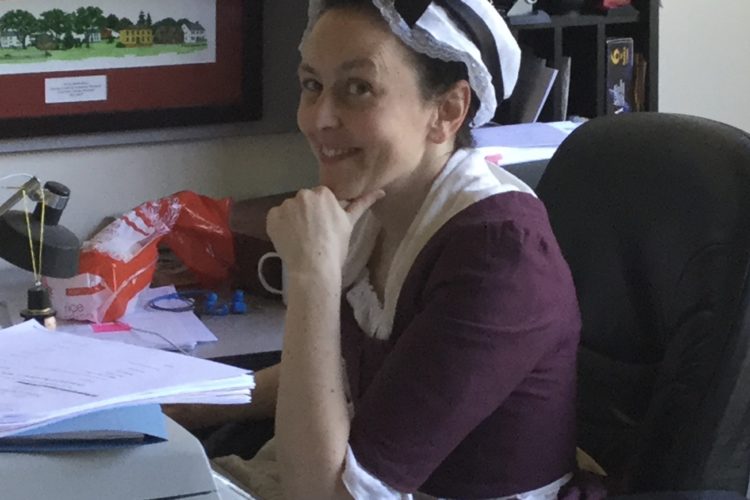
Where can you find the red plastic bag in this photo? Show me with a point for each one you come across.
(609, 4)
(120, 260)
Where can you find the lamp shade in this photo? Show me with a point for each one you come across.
(60, 252)
(58, 245)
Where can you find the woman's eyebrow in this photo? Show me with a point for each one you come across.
(361, 63)
(307, 68)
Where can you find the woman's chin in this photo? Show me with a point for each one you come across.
(342, 192)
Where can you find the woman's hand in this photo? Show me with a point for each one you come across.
(311, 231)
(199, 416)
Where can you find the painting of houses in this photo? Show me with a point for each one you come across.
(41, 36)
(169, 34)
(137, 36)
(194, 32)
(108, 34)
(9, 40)
(95, 36)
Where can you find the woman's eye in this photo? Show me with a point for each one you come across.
(310, 85)
(358, 88)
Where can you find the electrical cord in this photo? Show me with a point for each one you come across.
(188, 298)
(165, 339)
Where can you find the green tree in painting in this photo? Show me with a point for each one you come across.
(22, 22)
(56, 22)
(86, 20)
(167, 21)
(112, 22)
(124, 23)
(141, 19)
(69, 41)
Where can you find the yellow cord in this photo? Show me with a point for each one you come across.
(36, 269)
(41, 235)
(28, 232)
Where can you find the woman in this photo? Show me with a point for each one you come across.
(439, 284)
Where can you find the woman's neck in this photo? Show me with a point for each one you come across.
(396, 212)
(404, 198)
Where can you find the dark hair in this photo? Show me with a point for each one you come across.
(435, 76)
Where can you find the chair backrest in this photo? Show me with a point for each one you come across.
(652, 212)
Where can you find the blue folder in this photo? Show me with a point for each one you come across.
(111, 427)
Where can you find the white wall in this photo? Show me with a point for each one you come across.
(109, 181)
(704, 59)
(704, 70)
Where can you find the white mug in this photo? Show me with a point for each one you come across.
(262, 279)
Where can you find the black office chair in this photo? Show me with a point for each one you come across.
(652, 212)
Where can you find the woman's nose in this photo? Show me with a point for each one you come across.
(326, 112)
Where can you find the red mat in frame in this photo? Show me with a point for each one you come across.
(228, 90)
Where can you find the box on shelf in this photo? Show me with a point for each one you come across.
(619, 76)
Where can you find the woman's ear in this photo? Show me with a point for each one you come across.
(452, 107)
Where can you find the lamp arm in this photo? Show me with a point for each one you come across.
(31, 187)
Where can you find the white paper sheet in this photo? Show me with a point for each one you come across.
(48, 375)
(175, 329)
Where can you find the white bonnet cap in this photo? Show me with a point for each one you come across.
(467, 31)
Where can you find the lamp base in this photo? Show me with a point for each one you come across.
(39, 307)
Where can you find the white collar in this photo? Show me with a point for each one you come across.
(466, 179)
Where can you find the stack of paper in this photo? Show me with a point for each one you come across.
(48, 376)
(521, 143)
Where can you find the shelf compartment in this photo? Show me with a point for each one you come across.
(621, 15)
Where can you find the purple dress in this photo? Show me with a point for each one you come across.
(473, 393)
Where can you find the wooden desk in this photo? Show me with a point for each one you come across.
(251, 340)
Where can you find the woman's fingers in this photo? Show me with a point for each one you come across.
(359, 206)
(192, 416)
(313, 228)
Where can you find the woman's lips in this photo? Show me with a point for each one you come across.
(332, 155)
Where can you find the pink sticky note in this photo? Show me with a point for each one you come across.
(113, 327)
(495, 159)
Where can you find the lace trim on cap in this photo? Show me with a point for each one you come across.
(423, 42)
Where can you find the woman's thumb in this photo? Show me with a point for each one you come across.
(359, 206)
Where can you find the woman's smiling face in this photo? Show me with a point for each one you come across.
(360, 107)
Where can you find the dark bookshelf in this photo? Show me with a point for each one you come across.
(582, 37)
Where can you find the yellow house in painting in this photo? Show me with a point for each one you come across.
(137, 36)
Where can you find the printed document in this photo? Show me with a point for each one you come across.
(47, 375)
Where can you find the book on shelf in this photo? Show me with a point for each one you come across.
(619, 75)
(535, 80)
(55, 378)
(639, 82)
(564, 78)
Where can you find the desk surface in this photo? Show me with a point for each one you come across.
(260, 330)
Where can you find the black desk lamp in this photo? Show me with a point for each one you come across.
(36, 242)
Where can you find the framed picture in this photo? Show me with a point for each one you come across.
(85, 66)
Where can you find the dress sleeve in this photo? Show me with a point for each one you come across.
(362, 485)
(485, 319)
